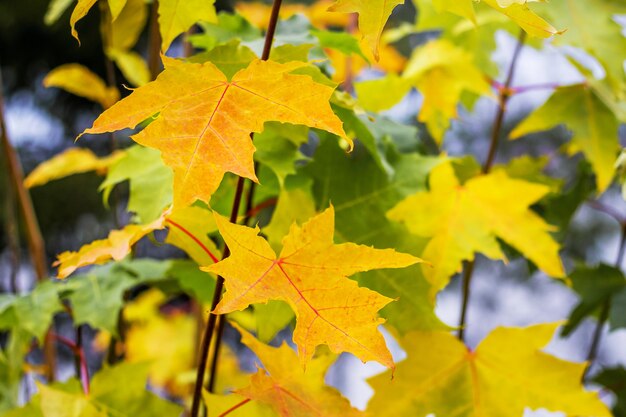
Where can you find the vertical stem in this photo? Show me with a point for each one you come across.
(503, 98)
(13, 237)
(606, 308)
(34, 238)
(154, 41)
(217, 295)
(210, 327)
(348, 83)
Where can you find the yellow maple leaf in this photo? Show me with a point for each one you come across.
(204, 120)
(116, 246)
(373, 15)
(504, 375)
(442, 72)
(288, 389)
(310, 275)
(69, 162)
(516, 10)
(188, 228)
(79, 80)
(464, 219)
(176, 16)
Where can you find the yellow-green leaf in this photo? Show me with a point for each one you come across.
(593, 125)
(373, 15)
(504, 375)
(176, 16)
(464, 219)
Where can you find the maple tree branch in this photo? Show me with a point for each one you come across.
(154, 41)
(606, 309)
(534, 87)
(503, 98)
(210, 327)
(267, 48)
(616, 215)
(13, 237)
(34, 239)
(77, 349)
(348, 83)
(234, 407)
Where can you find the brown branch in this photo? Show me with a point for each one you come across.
(605, 310)
(154, 42)
(503, 98)
(267, 47)
(210, 327)
(36, 246)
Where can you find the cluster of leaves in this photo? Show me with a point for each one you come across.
(359, 224)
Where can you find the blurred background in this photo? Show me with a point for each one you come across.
(42, 122)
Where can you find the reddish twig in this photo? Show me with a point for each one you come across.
(79, 352)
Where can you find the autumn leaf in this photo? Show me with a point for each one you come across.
(290, 390)
(80, 10)
(188, 231)
(176, 16)
(373, 15)
(71, 161)
(310, 275)
(464, 219)
(504, 375)
(516, 10)
(80, 81)
(593, 27)
(204, 121)
(593, 125)
(116, 246)
(441, 72)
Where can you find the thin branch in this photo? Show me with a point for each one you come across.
(36, 246)
(78, 351)
(267, 48)
(154, 41)
(210, 327)
(608, 210)
(505, 95)
(503, 99)
(13, 237)
(606, 309)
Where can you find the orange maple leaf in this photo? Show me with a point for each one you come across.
(289, 390)
(203, 121)
(310, 275)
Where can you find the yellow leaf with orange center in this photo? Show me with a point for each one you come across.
(310, 274)
(203, 121)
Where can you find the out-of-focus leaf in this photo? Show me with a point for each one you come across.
(69, 162)
(79, 80)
